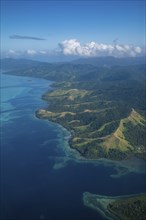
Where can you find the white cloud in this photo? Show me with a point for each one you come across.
(74, 47)
(27, 53)
(31, 52)
(13, 52)
(43, 52)
(137, 49)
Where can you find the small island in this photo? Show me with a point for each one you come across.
(130, 207)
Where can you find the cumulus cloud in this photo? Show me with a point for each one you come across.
(20, 37)
(43, 52)
(31, 52)
(74, 47)
(15, 53)
(12, 52)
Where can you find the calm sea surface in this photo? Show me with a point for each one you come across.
(39, 180)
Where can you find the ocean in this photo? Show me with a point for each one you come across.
(41, 178)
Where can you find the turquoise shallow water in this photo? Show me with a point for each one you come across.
(39, 177)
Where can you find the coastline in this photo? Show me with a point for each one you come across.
(96, 129)
(72, 154)
(121, 167)
(102, 204)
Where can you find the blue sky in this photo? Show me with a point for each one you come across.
(62, 25)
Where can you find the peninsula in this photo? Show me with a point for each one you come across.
(100, 126)
(130, 207)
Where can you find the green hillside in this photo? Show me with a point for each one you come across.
(103, 107)
(100, 128)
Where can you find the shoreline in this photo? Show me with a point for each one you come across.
(122, 167)
(102, 204)
(72, 144)
(91, 138)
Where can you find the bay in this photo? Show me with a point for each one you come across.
(40, 176)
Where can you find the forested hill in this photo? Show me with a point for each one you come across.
(17, 64)
(104, 107)
(12, 64)
(78, 72)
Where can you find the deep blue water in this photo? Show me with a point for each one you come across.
(31, 148)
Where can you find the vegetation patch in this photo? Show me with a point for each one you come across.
(105, 105)
(129, 207)
(108, 130)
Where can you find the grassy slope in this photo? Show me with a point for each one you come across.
(96, 131)
(118, 139)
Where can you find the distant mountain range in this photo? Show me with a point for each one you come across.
(15, 64)
(111, 61)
